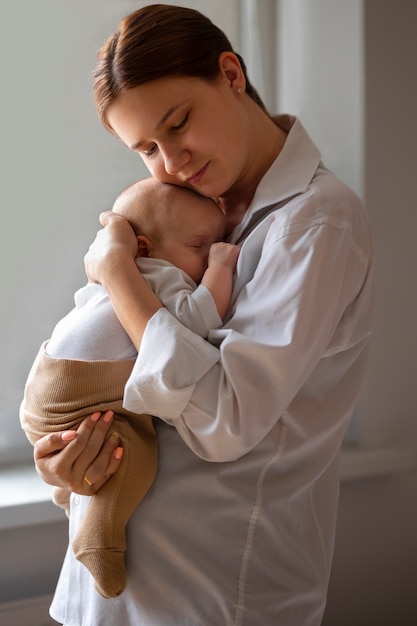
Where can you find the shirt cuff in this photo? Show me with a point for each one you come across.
(207, 307)
(170, 362)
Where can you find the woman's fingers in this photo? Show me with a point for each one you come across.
(84, 451)
(91, 435)
(52, 443)
(117, 238)
(105, 465)
(82, 460)
(45, 454)
(96, 464)
(105, 217)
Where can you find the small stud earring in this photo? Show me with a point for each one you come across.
(240, 89)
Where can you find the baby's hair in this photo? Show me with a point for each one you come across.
(142, 205)
(147, 206)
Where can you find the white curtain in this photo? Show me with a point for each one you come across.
(258, 46)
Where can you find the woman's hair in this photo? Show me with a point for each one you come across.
(157, 41)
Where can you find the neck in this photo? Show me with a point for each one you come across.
(270, 140)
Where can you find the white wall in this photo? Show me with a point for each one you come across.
(59, 170)
(321, 74)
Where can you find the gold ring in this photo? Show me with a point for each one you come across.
(87, 481)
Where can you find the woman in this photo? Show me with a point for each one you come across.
(239, 525)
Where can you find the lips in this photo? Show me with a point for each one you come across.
(197, 176)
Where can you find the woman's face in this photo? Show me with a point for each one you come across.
(188, 131)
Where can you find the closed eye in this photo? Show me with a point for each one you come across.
(182, 123)
(150, 152)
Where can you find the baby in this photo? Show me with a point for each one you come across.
(85, 364)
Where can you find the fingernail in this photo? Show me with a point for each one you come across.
(95, 417)
(108, 416)
(114, 438)
(118, 453)
(68, 435)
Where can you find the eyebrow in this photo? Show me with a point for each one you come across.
(161, 122)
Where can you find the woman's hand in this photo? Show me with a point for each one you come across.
(111, 262)
(114, 243)
(83, 460)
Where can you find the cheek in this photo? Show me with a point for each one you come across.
(156, 168)
(152, 166)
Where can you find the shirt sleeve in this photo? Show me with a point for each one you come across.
(300, 302)
(192, 305)
(172, 359)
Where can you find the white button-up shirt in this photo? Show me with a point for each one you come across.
(238, 529)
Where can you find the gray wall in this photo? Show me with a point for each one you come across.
(375, 566)
(31, 560)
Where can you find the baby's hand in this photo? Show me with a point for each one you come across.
(223, 253)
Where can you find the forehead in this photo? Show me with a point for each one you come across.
(144, 109)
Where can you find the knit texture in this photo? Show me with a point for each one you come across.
(59, 393)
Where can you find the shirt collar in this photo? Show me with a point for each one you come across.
(289, 175)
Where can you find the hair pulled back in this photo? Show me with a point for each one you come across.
(157, 41)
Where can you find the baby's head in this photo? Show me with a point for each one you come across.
(172, 223)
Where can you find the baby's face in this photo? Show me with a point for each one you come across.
(198, 223)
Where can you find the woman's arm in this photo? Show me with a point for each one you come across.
(295, 282)
(223, 401)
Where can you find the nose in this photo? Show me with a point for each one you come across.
(175, 157)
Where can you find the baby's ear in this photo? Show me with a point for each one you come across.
(144, 246)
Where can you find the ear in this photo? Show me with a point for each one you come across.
(144, 246)
(231, 69)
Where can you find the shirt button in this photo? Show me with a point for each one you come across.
(76, 499)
